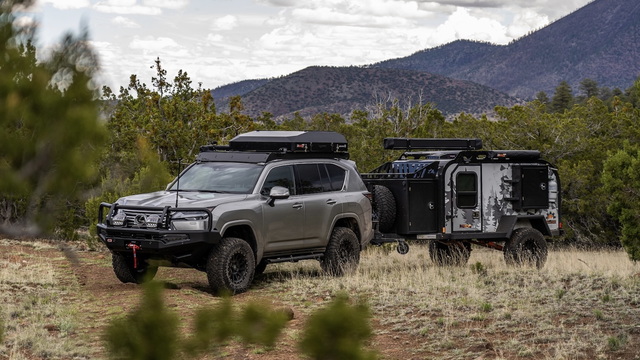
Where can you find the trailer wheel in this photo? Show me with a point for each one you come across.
(126, 273)
(526, 247)
(343, 252)
(384, 207)
(449, 254)
(231, 266)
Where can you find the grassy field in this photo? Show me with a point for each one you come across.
(582, 305)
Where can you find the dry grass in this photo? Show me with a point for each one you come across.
(37, 321)
(582, 305)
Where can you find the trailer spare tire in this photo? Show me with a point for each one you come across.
(526, 247)
(384, 207)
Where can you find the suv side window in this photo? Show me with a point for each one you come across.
(279, 176)
(336, 176)
(310, 179)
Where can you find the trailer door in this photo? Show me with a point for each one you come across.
(466, 195)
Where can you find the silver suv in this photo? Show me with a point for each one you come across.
(267, 197)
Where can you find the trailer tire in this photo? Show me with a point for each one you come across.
(384, 207)
(526, 247)
(231, 266)
(126, 273)
(449, 254)
(343, 252)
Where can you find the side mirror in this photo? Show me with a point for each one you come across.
(277, 192)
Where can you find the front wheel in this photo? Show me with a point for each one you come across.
(449, 254)
(126, 272)
(343, 252)
(526, 247)
(231, 266)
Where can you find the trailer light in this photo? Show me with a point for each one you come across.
(444, 229)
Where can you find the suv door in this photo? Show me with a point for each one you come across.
(282, 222)
(320, 186)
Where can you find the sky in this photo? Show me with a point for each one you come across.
(218, 42)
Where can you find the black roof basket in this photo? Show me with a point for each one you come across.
(432, 144)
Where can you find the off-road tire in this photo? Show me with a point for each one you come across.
(449, 254)
(384, 207)
(526, 247)
(125, 272)
(231, 266)
(343, 252)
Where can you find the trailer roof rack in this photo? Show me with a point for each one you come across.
(262, 146)
(432, 144)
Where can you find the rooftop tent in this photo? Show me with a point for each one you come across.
(290, 141)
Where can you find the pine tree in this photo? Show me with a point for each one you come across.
(562, 98)
(51, 133)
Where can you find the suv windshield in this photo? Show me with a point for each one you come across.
(225, 177)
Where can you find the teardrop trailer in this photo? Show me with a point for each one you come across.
(451, 194)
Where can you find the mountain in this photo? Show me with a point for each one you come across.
(344, 89)
(600, 41)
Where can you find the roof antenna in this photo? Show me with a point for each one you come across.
(178, 181)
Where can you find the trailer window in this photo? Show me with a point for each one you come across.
(466, 190)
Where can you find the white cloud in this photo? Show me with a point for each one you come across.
(166, 4)
(462, 25)
(525, 22)
(153, 44)
(67, 4)
(214, 38)
(126, 7)
(227, 22)
(125, 22)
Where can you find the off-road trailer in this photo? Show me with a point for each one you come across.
(452, 194)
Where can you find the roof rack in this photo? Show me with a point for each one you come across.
(268, 145)
(432, 144)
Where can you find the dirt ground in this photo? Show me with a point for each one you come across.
(101, 297)
(93, 290)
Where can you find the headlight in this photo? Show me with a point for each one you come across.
(190, 220)
(190, 224)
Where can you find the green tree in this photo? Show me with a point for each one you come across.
(149, 332)
(338, 331)
(51, 135)
(621, 179)
(589, 88)
(562, 98)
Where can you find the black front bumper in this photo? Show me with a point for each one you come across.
(189, 248)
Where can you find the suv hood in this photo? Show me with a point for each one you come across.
(185, 199)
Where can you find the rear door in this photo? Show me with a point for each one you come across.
(320, 189)
(466, 214)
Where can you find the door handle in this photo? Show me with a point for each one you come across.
(331, 202)
(297, 206)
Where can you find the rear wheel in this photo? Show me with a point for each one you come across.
(343, 252)
(526, 247)
(126, 272)
(384, 207)
(449, 254)
(231, 266)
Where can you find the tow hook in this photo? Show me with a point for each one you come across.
(135, 247)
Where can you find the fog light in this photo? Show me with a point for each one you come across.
(119, 218)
